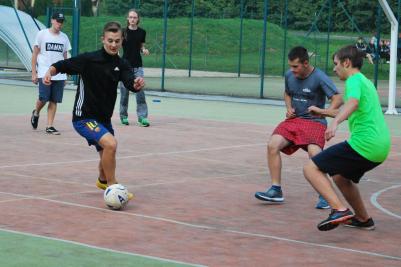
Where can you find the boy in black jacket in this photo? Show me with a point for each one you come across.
(100, 72)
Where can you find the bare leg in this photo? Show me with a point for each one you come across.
(313, 150)
(276, 143)
(39, 105)
(101, 176)
(351, 193)
(51, 113)
(108, 157)
(322, 185)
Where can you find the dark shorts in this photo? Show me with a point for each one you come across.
(92, 131)
(343, 160)
(52, 92)
(301, 133)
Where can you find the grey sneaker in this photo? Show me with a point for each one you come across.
(272, 195)
(52, 130)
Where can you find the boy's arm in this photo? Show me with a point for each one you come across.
(71, 66)
(349, 107)
(331, 111)
(290, 110)
(128, 78)
(144, 50)
(34, 62)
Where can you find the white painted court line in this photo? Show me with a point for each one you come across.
(134, 156)
(212, 228)
(373, 200)
(99, 248)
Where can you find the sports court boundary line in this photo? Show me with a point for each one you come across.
(212, 228)
(100, 248)
(373, 200)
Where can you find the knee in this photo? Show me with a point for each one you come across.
(110, 146)
(272, 148)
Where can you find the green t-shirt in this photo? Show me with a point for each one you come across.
(370, 136)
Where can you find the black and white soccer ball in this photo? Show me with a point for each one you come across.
(116, 196)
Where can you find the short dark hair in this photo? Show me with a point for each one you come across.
(352, 53)
(112, 26)
(299, 52)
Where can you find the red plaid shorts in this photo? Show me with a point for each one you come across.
(301, 133)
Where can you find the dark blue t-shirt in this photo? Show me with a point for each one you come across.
(311, 91)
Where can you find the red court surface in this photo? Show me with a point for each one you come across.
(194, 184)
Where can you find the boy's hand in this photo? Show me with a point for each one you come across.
(139, 83)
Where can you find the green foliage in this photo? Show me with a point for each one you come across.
(116, 7)
(301, 13)
(216, 42)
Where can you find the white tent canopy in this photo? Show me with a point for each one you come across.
(12, 33)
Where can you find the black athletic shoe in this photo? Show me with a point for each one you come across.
(335, 218)
(34, 120)
(52, 130)
(354, 222)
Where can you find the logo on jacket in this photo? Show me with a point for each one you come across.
(55, 47)
(116, 69)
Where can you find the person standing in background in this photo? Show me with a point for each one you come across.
(51, 45)
(133, 46)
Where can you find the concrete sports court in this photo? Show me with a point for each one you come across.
(194, 173)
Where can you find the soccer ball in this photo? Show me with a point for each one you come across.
(116, 196)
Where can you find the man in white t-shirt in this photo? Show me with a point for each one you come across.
(51, 45)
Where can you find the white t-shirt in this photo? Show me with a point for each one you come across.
(52, 48)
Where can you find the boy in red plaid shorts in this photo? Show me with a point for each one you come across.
(306, 87)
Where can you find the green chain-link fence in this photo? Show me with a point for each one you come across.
(212, 48)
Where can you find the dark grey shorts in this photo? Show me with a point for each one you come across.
(342, 159)
(52, 92)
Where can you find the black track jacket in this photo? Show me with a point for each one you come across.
(97, 89)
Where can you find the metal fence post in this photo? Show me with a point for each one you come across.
(75, 33)
(285, 36)
(165, 10)
(328, 35)
(378, 27)
(191, 38)
(240, 36)
(262, 69)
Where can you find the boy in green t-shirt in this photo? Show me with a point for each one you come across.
(367, 147)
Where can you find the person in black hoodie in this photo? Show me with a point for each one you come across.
(99, 71)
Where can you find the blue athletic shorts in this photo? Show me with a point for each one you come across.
(342, 159)
(92, 131)
(52, 92)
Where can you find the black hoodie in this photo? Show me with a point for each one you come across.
(97, 89)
